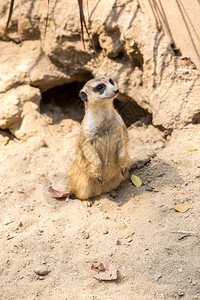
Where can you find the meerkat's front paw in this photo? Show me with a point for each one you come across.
(124, 170)
(100, 179)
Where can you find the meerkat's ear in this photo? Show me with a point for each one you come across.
(83, 96)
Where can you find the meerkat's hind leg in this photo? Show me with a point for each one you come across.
(58, 194)
(113, 194)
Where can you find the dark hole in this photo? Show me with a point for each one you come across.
(131, 112)
(63, 102)
(196, 118)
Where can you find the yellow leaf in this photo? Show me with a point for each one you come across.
(182, 207)
(150, 126)
(136, 180)
(192, 149)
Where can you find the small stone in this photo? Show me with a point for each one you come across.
(113, 194)
(157, 276)
(85, 235)
(149, 189)
(41, 270)
(180, 270)
(20, 224)
(117, 241)
(181, 293)
(41, 277)
(129, 240)
(194, 282)
(105, 232)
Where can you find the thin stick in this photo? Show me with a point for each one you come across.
(46, 23)
(19, 20)
(10, 13)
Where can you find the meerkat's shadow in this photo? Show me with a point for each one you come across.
(155, 176)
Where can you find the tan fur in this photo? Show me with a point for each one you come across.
(101, 149)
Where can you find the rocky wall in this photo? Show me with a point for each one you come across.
(128, 48)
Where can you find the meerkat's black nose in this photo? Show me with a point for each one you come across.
(116, 91)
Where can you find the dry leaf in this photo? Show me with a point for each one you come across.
(136, 180)
(125, 226)
(192, 149)
(182, 207)
(58, 194)
(151, 126)
(101, 272)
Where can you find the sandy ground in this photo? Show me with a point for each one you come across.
(155, 248)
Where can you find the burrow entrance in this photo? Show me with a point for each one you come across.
(63, 102)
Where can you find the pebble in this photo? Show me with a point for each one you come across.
(41, 270)
(85, 235)
(105, 232)
(181, 293)
(157, 276)
(117, 241)
(149, 189)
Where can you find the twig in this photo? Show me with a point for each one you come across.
(84, 25)
(10, 13)
(19, 20)
(46, 23)
(185, 232)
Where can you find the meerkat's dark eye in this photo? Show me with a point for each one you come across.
(111, 81)
(100, 86)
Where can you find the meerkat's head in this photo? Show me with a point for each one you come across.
(98, 90)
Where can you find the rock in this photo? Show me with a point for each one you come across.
(117, 241)
(181, 293)
(85, 235)
(157, 276)
(144, 64)
(13, 105)
(41, 270)
(105, 232)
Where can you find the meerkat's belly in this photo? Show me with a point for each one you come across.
(106, 148)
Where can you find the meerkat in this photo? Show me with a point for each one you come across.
(101, 160)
